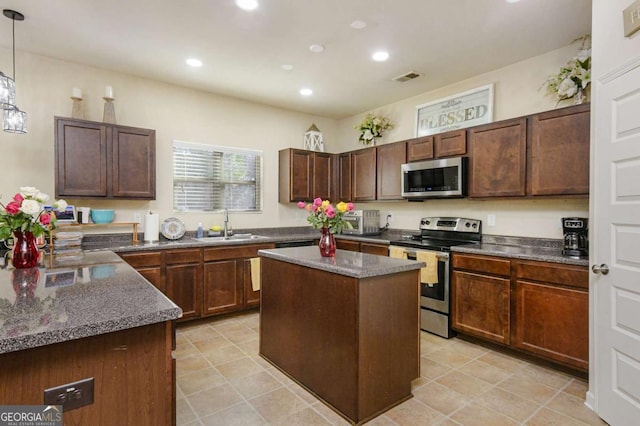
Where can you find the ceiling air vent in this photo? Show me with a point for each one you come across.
(406, 77)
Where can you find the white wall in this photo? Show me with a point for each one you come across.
(44, 87)
(517, 92)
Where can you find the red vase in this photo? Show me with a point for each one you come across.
(327, 244)
(25, 250)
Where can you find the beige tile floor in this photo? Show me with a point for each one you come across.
(222, 381)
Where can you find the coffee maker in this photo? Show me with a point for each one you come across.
(576, 236)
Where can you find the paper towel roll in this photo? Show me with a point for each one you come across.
(151, 227)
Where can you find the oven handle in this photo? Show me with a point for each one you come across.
(444, 256)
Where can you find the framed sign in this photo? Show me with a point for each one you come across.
(455, 112)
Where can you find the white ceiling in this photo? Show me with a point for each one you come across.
(446, 40)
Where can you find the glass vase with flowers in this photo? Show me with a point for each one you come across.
(24, 218)
(329, 218)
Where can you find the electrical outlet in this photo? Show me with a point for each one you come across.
(491, 220)
(70, 396)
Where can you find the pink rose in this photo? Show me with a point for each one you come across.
(317, 202)
(13, 207)
(308, 208)
(301, 204)
(330, 212)
(45, 219)
(18, 198)
(350, 207)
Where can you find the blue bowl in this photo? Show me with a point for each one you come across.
(102, 216)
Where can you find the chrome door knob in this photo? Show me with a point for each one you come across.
(602, 269)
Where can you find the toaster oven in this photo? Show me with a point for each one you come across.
(363, 222)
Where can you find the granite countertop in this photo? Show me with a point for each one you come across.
(121, 243)
(72, 297)
(348, 263)
(540, 249)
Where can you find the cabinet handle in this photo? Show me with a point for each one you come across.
(602, 269)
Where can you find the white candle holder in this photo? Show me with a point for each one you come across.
(109, 115)
(76, 110)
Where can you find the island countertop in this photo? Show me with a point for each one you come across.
(348, 263)
(69, 298)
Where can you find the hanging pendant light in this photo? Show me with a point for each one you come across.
(14, 120)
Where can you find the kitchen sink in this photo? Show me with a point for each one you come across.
(234, 237)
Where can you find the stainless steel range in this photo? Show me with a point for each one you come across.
(437, 236)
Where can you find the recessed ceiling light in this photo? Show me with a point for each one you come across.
(194, 62)
(247, 4)
(513, 1)
(380, 56)
(286, 67)
(358, 25)
(316, 48)
(306, 92)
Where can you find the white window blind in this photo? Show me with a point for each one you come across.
(208, 177)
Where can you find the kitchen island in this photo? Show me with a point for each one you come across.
(88, 316)
(344, 328)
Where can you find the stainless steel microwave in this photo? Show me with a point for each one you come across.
(445, 178)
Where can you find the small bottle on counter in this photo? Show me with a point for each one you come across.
(199, 232)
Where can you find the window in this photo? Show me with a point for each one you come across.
(207, 178)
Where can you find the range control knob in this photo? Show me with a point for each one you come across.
(467, 224)
(475, 225)
(427, 222)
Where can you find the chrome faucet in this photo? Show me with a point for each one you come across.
(226, 223)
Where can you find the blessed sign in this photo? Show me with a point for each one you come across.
(455, 112)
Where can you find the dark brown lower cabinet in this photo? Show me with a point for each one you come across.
(223, 286)
(202, 281)
(133, 372)
(184, 281)
(363, 247)
(353, 342)
(481, 306)
(541, 308)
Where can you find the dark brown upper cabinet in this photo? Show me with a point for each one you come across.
(559, 150)
(363, 174)
(450, 144)
(390, 158)
(99, 160)
(344, 177)
(420, 149)
(304, 175)
(497, 159)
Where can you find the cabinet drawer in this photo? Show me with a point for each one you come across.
(555, 273)
(238, 252)
(175, 257)
(142, 260)
(485, 264)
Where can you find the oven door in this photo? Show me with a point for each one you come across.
(434, 296)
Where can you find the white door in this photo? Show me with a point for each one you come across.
(615, 294)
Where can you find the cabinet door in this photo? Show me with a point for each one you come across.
(223, 286)
(133, 168)
(480, 306)
(251, 297)
(451, 143)
(552, 322)
(184, 287)
(81, 158)
(420, 149)
(379, 249)
(154, 276)
(295, 175)
(347, 245)
(389, 159)
(363, 174)
(322, 168)
(497, 159)
(560, 151)
(344, 177)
